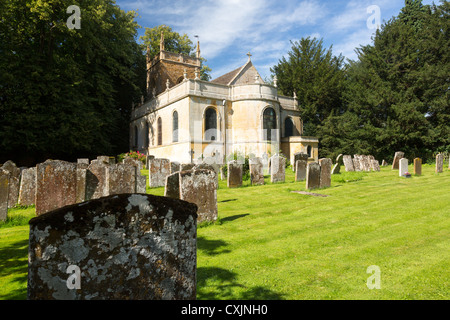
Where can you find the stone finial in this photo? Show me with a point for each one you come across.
(275, 81)
(167, 84)
(197, 74)
(185, 74)
(249, 56)
(198, 47)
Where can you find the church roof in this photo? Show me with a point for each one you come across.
(243, 75)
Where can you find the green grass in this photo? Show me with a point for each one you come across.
(270, 243)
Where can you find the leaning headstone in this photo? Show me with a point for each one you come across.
(4, 193)
(14, 182)
(325, 172)
(200, 187)
(300, 170)
(337, 166)
(158, 170)
(439, 163)
(402, 167)
(384, 163)
(56, 185)
(418, 166)
(397, 156)
(313, 175)
(375, 165)
(121, 247)
(348, 163)
(27, 191)
(234, 174)
(256, 171)
(172, 187)
(278, 165)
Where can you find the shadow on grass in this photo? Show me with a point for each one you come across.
(13, 260)
(211, 247)
(219, 284)
(235, 217)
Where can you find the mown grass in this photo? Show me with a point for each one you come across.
(270, 243)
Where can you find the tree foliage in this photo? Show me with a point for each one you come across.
(66, 93)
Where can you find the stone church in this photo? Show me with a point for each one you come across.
(186, 119)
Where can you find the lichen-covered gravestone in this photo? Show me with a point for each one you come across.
(277, 169)
(172, 188)
(97, 179)
(299, 156)
(234, 174)
(4, 193)
(158, 171)
(120, 247)
(200, 187)
(27, 192)
(356, 163)
(439, 163)
(56, 185)
(122, 178)
(337, 166)
(313, 176)
(256, 171)
(325, 172)
(14, 182)
(375, 165)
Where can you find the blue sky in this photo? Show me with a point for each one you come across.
(229, 29)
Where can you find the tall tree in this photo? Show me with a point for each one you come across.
(66, 93)
(173, 42)
(317, 77)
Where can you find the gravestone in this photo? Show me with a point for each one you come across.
(256, 171)
(14, 182)
(174, 167)
(158, 170)
(234, 174)
(81, 183)
(299, 156)
(82, 163)
(186, 166)
(337, 166)
(348, 163)
(384, 163)
(147, 161)
(418, 166)
(356, 163)
(300, 170)
(172, 187)
(97, 179)
(141, 183)
(212, 167)
(375, 165)
(4, 193)
(133, 162)
(439, 163)
(122, 179)
(325, 172)
(200, 187)
(313, 176)
(265, 162)
(364, 164)
(56, 185)
(121, 247)
(27, 191)
(277, 165)
(397, 156)
(403, 167)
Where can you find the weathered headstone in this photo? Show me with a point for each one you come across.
(186, 166)
(364, 164)
(56, 185)
(299, 156)
(384, 163)
(348, 163)
(200, 187)
(122, 179)
(133, 162)
(313, 176)
(172, 187)
(27, 192)
(356, 163)
(141, 183)
(14, 182)
(81, 191)
(97, 179)
(121, 247)
(159, 169)
(212, 167)
(4, 193)
(325, 172)
(300, 170)
(439, 163)
(174, 167)
(397, 156)
(403, 167)
(418, 166)
(256, 171)
(337, 166)
(375, 165)
(82, 163)
(234, 174)
(278, 165)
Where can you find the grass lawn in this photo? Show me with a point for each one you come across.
(270, 243)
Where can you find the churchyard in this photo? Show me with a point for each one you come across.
(271, 242)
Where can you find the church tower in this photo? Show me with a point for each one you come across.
(167, 69)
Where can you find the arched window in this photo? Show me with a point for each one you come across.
(136, 136)
(147, 133)
(175, 126)
(210, 124)
(269, 123)
(288, 127)
(159, 131)
(308, 151)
